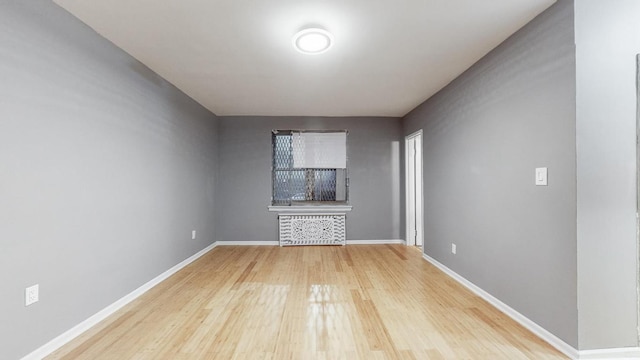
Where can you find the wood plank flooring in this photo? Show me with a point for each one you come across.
(320, 302)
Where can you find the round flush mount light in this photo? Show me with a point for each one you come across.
(312, 41)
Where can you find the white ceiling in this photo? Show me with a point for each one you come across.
(235, 57)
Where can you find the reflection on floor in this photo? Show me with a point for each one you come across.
(322, 302)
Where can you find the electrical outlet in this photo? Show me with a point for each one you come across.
(31, 294)
(453, 249)
(193, 235)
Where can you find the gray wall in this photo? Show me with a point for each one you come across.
(484, 135)
(607, 41)
(104, 171)
(244, 185)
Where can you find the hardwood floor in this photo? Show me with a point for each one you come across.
(331, 302)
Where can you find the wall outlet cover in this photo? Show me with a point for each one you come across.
(31, 294)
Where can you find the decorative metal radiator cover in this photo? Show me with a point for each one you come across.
(312, 229)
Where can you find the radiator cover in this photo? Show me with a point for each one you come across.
(312, 229)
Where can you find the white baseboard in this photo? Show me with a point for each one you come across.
(276, 243)
(85, 325)
(606, 354)
(375, 242)
(631, 353)
(599, 354)
(248, 243)
(538, 330)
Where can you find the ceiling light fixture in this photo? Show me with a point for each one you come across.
(312, 41)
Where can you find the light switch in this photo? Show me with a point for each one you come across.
(541, 176)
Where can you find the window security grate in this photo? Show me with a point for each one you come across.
(295, 183)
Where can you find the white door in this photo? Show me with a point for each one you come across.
(413, 174)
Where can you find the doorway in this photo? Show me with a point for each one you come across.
(414, 201)
(638, 188)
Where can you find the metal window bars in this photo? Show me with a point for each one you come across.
(293, 185)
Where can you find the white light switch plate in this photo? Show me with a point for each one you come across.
(541, 176)
(193, 235)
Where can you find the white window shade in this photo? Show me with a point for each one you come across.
(320, 150)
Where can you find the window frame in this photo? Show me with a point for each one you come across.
(290, 202)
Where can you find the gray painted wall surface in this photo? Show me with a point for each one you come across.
(607, 41)
(104, 171)
(484, 135)
(244, 184)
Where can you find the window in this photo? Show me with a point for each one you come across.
(309, 167)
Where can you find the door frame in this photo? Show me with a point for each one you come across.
(638, 190)
(418, 238)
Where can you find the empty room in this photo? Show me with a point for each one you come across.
(319, 179)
